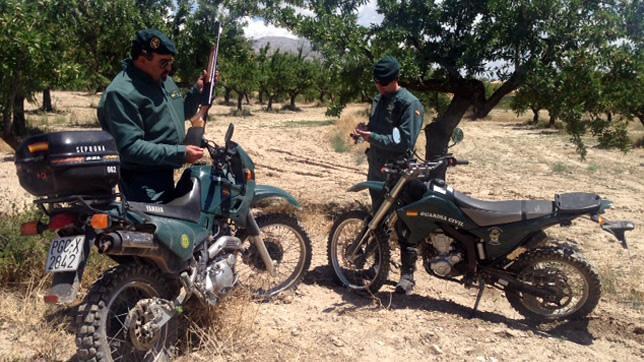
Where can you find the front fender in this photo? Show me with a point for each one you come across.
(371, 185)
(263, 192)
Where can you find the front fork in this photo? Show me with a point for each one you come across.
(256, 238)
(379, 215)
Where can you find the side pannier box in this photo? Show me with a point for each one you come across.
(68, 163)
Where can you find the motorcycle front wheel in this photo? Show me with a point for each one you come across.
(574, 285)
(290, 249)
(359, 267)
(103, 332)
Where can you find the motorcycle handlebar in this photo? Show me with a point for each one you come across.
(405, 165)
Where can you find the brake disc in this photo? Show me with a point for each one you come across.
(139, 326)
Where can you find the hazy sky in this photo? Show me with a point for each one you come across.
(257, 29)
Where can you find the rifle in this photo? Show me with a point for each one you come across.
(208, 93)
(195, 133)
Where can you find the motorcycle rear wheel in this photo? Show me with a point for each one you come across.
(290, 248)
(102, 334)
(369, 271)
(576, 281)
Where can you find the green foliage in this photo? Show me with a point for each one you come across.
(453, 46)
(559, 168)
(21, 258)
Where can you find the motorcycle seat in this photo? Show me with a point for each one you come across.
(185, 207)
(486, 213)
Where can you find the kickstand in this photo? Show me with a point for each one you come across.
(478, 298)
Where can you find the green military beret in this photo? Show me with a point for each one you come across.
(154, 41)
(386, 70)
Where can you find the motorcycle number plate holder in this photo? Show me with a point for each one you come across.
(65, 254)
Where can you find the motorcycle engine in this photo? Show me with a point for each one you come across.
(444, 255)
(220, 276)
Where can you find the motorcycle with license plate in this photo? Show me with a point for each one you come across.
(202, 244)
(472, 242)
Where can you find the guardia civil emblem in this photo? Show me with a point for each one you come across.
(155, 42)
(495, 236)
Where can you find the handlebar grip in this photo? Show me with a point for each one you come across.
(462, 162)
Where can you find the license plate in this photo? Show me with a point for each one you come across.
(65, 254)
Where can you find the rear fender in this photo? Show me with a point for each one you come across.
(377, 186)
(263, 192)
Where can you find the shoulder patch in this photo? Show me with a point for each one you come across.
(417, 113)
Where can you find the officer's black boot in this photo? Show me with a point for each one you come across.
(408, 257)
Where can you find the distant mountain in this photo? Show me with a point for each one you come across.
(285, 45)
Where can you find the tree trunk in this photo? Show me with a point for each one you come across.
(46, 100)
(609, 117)
(261, 97)
(553, 118)
(438, 133)
(535, 117)
(270, 103)
(6, 122)
(322, 94)
(247, 99)
(293, 101)
(19, 124)
(227, 92)
(240, 98)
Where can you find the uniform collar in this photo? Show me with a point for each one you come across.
(392, 95)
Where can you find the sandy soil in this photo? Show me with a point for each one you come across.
(320, 321)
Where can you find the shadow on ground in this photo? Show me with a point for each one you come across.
(573, 331)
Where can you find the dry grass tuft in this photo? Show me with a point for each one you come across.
(33, 330)
(222, 332)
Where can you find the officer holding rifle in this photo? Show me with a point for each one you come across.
(145, 111)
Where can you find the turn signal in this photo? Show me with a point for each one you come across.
(100, 221)
(29, 228)
(249, 175)
(601, 220)
(38, 147)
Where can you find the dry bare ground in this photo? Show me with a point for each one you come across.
(320, 321)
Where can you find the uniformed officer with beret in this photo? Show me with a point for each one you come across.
(392, 131)
(144, 110)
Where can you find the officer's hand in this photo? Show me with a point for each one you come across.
(193, 153)
(203, 79)
(364, 134)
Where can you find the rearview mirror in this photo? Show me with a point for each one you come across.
(229, 133)
(457, 136)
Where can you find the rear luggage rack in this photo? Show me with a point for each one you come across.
(577, 203)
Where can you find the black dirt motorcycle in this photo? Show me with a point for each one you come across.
(473, 242)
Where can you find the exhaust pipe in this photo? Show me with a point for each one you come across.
(120, 242)
(224, 243)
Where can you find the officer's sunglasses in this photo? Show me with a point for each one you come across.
(381, 83)
(164, 63)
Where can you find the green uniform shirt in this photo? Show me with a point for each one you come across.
(146, 118)
(402, 110)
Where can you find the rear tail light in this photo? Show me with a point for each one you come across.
(51, 299)
(100, 221)
(61, 221)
